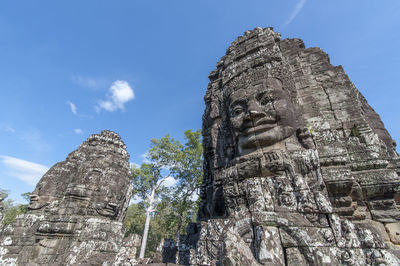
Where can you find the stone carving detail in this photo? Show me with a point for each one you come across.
(261, 115)
(299, 169)
(127, 253)
(76, 211)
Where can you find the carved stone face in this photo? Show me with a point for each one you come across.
(38, 202)
(86, 192)
(261, 115)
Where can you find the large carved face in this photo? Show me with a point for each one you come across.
(261, 115)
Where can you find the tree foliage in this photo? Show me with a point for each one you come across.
(134, 223)
(10, 209)
(169, 207)
(11, 213)
(148, 180)
(188, 170)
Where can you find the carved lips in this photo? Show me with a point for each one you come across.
(261, 125)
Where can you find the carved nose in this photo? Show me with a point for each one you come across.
(254, 113)
(253, 110)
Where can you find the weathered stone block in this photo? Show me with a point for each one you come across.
(298, 130)
(393, 230)
(76, 211)
(307, 237)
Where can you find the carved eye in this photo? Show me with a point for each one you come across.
(236, 111)
(266, 100)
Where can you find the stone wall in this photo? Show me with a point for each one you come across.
(299, 169)
(76, 212)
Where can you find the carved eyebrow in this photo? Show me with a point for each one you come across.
(239, 101)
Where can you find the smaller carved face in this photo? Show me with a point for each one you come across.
(38, 202)
(261, 115)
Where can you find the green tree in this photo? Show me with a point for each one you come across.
(11, 213)
(159, 226)
(167, 209)
(135, 219)
(9, 209)
(148, 179)
(188, 170)
(27, 196)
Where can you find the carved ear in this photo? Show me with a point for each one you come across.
(305, 138)
(219, 202)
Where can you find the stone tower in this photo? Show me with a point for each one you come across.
(76, 211)
(299, 169)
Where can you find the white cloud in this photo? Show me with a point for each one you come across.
(296, 11)
(26, 171)
(194, 197)
(73, 107)
(7, 128)
(145, 157)
(78, 131)
(88, 82)
(121, 93)
(133, 164)
(169, 182)
(107, 105)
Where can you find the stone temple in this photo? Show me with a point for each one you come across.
(298, 170)
(76, 212)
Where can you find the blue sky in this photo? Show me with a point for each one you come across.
(72, 68)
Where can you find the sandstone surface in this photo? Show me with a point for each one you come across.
(299, 169)
(76, 212)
